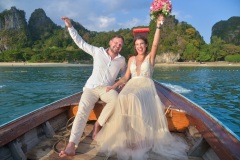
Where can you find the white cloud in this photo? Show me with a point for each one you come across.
(180, 16)
(101, 23)
(115, 14)
(7, 4)
(129, 24)
(96, 15)
(112, 4)
(104, 22)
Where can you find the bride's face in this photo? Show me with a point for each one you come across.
(140, 46)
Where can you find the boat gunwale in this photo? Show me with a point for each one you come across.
(35, 110)
(14, 129)
(204, 110)
(208, 127)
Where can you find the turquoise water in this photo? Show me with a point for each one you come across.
(216, 89)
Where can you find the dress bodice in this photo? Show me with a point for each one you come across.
(146, 69)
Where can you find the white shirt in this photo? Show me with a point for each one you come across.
(105, 70)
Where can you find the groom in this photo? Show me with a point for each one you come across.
(107, 63)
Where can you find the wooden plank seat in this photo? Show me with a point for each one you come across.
(177, 119)
(94, 113)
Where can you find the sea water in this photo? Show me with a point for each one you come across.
(216, 89)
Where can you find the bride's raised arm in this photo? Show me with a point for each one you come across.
(156, 38)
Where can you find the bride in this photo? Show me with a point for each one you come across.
(138, 124)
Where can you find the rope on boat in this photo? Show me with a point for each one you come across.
(170, 106)
(68, 131)
(64, 137)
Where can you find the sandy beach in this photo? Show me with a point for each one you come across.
(22, 64)
(205, 64)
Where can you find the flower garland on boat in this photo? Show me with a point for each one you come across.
(157, 7)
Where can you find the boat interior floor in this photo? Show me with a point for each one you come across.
(49, 148)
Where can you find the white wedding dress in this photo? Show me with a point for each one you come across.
(138, 124)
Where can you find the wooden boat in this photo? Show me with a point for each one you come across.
(33, 136)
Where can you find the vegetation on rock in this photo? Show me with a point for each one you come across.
(41, 40)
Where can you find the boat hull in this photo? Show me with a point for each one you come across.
(32, 136)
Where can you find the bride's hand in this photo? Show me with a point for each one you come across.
(121, 86)
(160, 20)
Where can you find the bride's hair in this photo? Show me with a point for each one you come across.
(142, 38)
(134, 40)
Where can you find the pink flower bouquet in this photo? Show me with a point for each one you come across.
(163, 7)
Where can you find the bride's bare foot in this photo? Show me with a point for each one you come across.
(96, 129)
(69, 150)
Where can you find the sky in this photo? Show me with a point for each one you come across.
(109, 15)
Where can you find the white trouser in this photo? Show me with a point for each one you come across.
(86, 104)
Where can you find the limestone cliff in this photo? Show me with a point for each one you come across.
(40, 25)
(167, 58)
(229, 30)
(13, 29)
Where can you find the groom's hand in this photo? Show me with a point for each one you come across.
(109, 88)
(67, 21)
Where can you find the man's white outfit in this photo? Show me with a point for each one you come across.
(105, 72)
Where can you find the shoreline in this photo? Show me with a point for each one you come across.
(193, 64)
(22, 64)
(203, 64)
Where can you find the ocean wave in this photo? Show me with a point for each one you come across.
(1, 86)
(176, 88)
